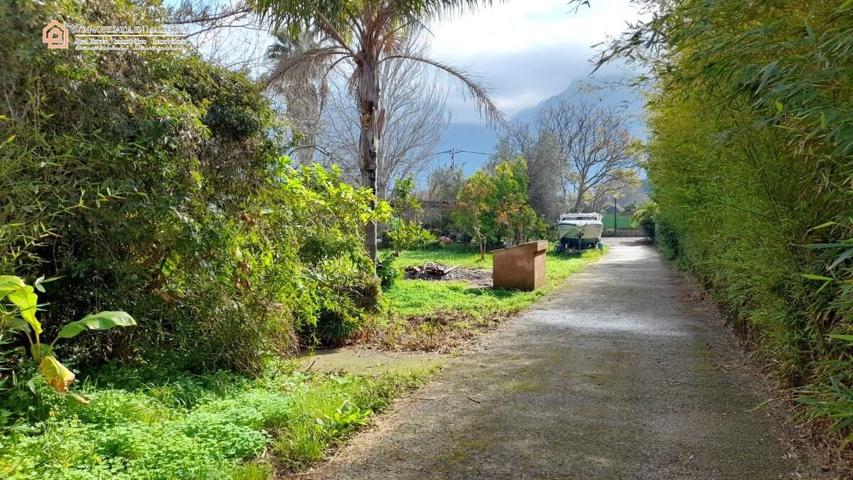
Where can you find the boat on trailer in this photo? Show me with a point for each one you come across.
(579, 230)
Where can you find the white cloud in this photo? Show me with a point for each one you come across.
(527, 50)
(522, 25)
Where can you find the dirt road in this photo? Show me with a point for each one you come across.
(617, 375)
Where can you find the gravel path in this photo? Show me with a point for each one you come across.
(617, 375)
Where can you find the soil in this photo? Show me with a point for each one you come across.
(370, 362)
(625, 372)
(477, 277)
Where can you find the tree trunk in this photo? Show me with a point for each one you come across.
(579, 200)
(368, 105)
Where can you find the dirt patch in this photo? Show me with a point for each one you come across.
(477, 277)
(440, 332)
(370, 362)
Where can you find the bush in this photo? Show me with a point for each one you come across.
(152, 182)
(386, 271)
(645, 217)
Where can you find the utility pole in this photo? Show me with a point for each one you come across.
(615, 227)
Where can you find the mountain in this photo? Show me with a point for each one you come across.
(480, 138)
(604, 93)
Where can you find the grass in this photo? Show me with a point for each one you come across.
(444, 315)
(150, 423)
(218, 426)
(452, 255)
(421, 297)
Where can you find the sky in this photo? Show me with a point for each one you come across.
(526, 50)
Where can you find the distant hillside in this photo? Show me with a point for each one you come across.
(606, 93)
(480, 138)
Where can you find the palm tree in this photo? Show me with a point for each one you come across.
(364, 34)
(303, 97)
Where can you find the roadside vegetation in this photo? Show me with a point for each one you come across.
(148, 195)
(749, 162)
(153, 423)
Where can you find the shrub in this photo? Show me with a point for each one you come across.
(386, 271)
(645, 217)
(152, 182)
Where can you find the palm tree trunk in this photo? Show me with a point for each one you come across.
(368, 105)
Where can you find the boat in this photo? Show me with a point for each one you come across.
(579, 230)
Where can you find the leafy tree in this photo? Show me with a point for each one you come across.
(493, 207)
(153, 182)
(364, 34)
(405, 229)
(473, 206)
(512, 217)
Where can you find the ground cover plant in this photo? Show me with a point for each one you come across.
(153, 424)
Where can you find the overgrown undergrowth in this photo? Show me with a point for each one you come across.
(219, 426)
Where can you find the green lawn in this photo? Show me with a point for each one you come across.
(422, 297)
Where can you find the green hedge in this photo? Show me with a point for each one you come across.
(749, 160)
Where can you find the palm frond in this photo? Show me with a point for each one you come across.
(475, 91)
(304, 66)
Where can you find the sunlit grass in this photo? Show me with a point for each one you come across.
(414, 297)
(242, 429)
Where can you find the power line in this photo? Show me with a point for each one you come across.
(454, 151)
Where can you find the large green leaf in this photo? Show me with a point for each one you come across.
(97, 321)
(15, 324)
(9, 284)
(26, 300)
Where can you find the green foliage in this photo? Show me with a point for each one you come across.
(405, 230)
(750, 167)
(494, 207)
(131, 433)
(645, 217)
(386, 271)
(18, 305)
(152, 182)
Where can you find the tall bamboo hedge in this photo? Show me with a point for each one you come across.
(751, 160)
